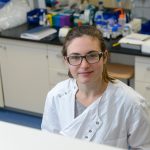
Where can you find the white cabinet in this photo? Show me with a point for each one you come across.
(28, 71)
(25, 75)
(1, 95)
(142, 76)
(2, 51)
(57, 68)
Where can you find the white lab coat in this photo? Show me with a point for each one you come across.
(119, 118)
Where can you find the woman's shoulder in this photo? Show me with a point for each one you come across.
(66, 84)
(125, 99)
(126, 94)
(63, 87)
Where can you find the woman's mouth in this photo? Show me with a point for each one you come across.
(85, 72)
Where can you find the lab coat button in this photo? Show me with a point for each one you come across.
(90, 130)
(86, 137)
(97, 122)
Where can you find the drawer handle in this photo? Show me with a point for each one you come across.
(62, 74)
(148, 69)
(147, 88)
(3, 47)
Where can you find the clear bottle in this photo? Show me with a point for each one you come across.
(42, 17)
(99, 13)
(122, 16)
(122, 19)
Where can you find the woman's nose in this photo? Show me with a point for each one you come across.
(84, 63)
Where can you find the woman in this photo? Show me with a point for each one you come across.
(91, 105)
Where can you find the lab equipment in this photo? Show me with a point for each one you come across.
(146, 47)
(122, 16)
(13, 14)
(133, 41)
(61, 20)
(39, 33)
(145, 29)
(132, 26)
(36, 16)
(3, 2)
(63, 32)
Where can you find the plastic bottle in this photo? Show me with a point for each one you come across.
(122, 19)
(115, 32)
(98, 18)
(42, 17)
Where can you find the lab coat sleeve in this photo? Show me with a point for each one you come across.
(139, 127)
(50, 118)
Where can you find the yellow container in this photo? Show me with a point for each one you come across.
(49, 19)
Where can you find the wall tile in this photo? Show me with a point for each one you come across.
(137, 12)
(141, 9)
(146, 3)
(146, 12)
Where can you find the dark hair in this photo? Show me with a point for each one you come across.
(93, 32)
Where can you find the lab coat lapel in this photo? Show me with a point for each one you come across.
(85, 125)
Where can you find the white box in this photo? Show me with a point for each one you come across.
(146, 47)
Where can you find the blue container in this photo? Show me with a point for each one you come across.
(3, 2)
(61, 21)
(33, 16)
(145, 28)
(51, 3)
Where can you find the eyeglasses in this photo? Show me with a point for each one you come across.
(91, 58)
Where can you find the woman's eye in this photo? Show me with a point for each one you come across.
(93, 55)
(75, 57)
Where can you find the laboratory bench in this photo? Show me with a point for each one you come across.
(18, 137)
(14, 34)
(30, 68)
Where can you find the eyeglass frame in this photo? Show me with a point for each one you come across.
(100, 54)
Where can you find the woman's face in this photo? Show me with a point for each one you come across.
(85, 72)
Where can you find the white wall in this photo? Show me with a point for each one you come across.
(141, 8)
(31, 3)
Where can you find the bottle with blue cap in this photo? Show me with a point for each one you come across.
(98, 18)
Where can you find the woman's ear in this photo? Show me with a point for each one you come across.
(67, 64)
(105, 56)
(65, 61)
